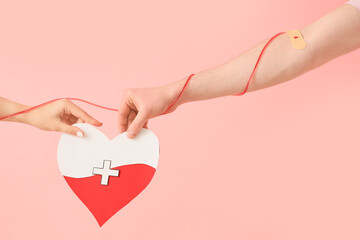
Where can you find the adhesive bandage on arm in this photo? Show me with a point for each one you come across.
(296, 39)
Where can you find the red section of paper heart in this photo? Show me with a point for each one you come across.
(104, 201)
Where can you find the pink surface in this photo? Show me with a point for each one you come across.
(282, 163)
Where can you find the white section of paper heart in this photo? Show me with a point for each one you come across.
(78, 156)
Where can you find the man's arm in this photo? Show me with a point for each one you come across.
(333, 35)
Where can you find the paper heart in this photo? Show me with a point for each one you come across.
(106, 175)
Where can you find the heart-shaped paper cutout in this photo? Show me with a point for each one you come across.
(106, 175)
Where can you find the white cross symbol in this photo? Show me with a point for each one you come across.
(105, 172)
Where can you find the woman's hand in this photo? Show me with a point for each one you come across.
(59, 116)
(139, 105)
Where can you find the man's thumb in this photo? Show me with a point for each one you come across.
(137, 125)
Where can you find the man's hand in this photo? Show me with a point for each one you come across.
(139, 105)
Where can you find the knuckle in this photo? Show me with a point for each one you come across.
(129, 92)
(65, 102)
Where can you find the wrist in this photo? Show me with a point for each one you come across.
(21, 118)
(174, 89)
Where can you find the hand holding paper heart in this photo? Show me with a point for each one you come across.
(106, 175)
(140, 105)
(57, 115)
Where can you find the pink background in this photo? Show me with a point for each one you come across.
(281, 163)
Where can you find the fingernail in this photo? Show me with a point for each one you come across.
(80, 134)
(130, 134)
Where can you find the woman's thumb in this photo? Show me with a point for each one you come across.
(72, 130)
